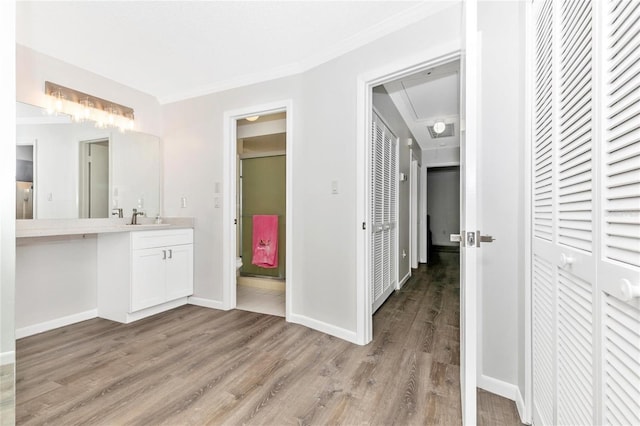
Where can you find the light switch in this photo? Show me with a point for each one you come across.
(216, 187)
(183, 202)
(334, 187)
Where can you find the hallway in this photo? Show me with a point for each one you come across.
(194, 365)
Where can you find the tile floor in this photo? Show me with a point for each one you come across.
(264, 301)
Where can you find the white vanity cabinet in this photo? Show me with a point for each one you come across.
(142, 273)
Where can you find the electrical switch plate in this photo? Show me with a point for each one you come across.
(216, 188)
(334, 187)
(183, 202)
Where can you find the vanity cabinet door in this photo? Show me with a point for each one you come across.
(179, 271)
(147, 278)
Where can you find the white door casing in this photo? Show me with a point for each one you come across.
(414, 199)
(229, 212)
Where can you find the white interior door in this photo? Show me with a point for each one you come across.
(469, 145)
(99, 180)
(619, 262)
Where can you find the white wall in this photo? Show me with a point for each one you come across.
(443, 203)
(324, 121)
(501, 176)
(7, 184)
(55, 278)
(437, 157)
(384, 105)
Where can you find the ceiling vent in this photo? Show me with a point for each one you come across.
(447, 132)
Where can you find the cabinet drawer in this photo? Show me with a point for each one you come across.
(168, 237)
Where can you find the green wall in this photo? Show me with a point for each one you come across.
(263, 192)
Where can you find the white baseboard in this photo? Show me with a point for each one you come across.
(505, 390)
(341, 333)
(55, 323)
(7, 358)
(404, 280)
(207, 303)
(521, 407)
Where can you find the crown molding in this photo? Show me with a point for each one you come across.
(390, 25)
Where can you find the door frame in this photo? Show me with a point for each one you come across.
(83, 172)
(229, 175)
(33, 143)
(414, 210)
(435, 56)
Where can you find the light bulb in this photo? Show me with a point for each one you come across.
(253, 118)
(439, 127)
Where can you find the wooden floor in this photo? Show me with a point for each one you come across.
(195, 366)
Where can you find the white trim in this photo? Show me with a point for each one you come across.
(525, 407)
(55, 323)
(394, 23)
(444, 164)
(431, 57)
(263, 154)
(229, 199)
(207, 303)
(7, 358)
(503, 389)
(339, 332)
(404, 280)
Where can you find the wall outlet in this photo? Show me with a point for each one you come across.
(334, 187)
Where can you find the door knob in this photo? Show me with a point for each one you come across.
(566, 260)
(628, 290)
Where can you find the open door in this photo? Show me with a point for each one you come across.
(468, 237)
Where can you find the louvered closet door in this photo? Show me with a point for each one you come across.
(586, 208)
(564, 270)
(383, 213)
(619, 266)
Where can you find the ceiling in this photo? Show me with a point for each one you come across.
(427, 96)
(180, 49)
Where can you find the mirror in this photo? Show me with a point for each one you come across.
(70, 170)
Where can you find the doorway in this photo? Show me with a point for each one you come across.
(246, 123)
(436, 56)
(25, 180)
(93, 191)
(261, 213)
(443, 207)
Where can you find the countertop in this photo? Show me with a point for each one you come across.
(54, 227)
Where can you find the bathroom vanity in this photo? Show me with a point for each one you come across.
(144, 272)
(71, 270)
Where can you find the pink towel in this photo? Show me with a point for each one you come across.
(265, 241)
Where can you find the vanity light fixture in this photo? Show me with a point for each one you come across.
(253, 118)
(82, 107)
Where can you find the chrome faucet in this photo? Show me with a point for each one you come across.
(117, 212)
(134, 217)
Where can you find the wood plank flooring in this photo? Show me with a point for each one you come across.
(194, 366)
